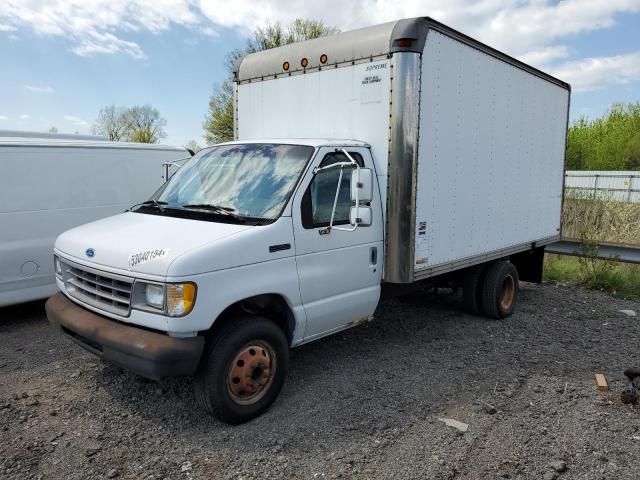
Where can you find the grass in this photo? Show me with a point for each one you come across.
(620, 279)
(600, 219)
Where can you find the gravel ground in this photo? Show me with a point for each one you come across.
(361, 404)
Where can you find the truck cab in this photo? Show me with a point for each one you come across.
(283, 234)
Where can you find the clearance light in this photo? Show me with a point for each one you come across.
(404, 42)
(323, 58)
(285, 66)
(304, 62)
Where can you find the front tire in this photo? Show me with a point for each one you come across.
(243, 369)
(500, 290)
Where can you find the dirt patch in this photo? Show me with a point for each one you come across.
(364, 403)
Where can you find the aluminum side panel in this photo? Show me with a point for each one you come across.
(491, 155)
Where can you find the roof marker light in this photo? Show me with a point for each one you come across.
(285, 66)
(323, 58)
(304, 62)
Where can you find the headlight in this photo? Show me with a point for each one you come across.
(180, 298)
(172, 299)
(154, 295)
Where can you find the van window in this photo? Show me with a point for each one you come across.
(317, 202)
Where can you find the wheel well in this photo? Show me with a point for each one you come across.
(270, 305)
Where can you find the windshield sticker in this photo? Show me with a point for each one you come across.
(136, 259)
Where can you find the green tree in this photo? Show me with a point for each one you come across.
(218, 122)
(53, 129)
(611, 142)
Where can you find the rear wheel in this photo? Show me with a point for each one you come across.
(472, 289)
(500, 290)
(243, 370)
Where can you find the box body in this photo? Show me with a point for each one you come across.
(468, 143)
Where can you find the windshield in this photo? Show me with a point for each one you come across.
(248, 180)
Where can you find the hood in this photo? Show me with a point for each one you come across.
(141, 243)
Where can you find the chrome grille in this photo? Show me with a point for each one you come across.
(105, 291)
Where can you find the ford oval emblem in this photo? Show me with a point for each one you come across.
(90, 252)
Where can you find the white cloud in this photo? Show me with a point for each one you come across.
(25, 116)
(536, 31)
(39, 89)
(598, 72)
(96, 43)
(3, 117)
(98, 26)
(209, 32)
(515, 26)
(77, 121)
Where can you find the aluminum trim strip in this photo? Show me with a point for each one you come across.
(403, 160)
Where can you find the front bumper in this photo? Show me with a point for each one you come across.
(146, 353)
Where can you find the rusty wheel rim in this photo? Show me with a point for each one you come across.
(508, 292)
(251, 372)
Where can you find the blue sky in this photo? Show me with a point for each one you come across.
(65, 59)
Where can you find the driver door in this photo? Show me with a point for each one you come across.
(339, 271)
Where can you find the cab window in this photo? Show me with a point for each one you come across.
(317, 201)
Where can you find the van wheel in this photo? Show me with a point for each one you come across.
(472, 289)
(500, 290)
(242, 370)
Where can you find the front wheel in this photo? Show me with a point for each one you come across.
(243, 370)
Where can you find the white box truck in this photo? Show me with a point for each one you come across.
(50, 183)
(401, 153)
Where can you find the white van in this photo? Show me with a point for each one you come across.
(50, 183)
(401, 153)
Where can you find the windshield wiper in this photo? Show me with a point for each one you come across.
(150, 203)
(214, 208)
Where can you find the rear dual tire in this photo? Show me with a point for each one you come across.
(491, 290)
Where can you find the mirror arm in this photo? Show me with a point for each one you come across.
(173, 163)
(335, 199)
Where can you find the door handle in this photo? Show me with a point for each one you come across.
(373, 256)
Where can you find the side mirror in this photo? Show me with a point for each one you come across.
(363, 186)
(360, 216)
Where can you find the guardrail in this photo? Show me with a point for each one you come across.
(605, 251)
